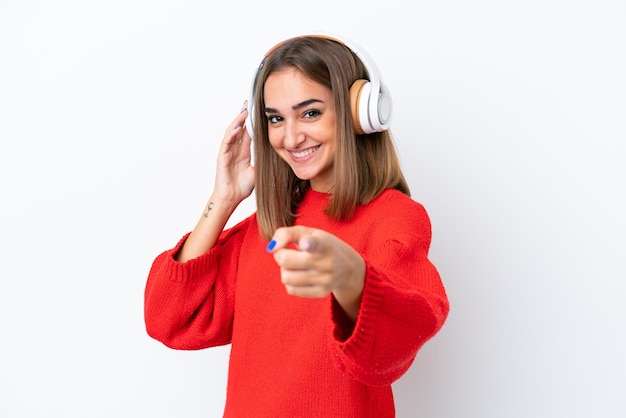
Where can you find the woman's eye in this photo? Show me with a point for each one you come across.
(311, 114)
(273, 119)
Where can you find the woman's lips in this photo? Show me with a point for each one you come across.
(303, 154)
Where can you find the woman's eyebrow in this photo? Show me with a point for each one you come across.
(297, 106)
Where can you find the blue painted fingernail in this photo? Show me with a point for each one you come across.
(271, 245)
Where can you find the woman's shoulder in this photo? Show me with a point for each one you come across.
(395, 213)
(393, 199)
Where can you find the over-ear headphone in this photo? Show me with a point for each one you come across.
(370, 102)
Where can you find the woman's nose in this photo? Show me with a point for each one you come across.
(293, 135)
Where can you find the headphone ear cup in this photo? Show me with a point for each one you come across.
(383, 110)
(359, 103)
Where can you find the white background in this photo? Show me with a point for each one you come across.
(510, 120)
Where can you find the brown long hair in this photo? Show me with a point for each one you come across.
(364, 165)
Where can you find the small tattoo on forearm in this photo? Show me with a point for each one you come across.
(208, 209)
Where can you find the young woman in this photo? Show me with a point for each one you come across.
(326, 293)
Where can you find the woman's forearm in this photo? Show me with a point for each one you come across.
(204, 235)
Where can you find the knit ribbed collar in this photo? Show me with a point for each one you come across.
(315, 200)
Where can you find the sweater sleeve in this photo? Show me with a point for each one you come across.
(403, 305)
(190, 305)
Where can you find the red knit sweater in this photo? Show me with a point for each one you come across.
(300, 357)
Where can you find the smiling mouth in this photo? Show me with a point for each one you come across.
(305, 153)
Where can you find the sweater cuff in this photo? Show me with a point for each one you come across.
(354, 340)
(195, 267)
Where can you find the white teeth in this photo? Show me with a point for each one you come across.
(304, 153)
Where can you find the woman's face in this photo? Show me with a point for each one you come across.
(301, 125)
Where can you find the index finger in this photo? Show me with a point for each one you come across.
(298, 236)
